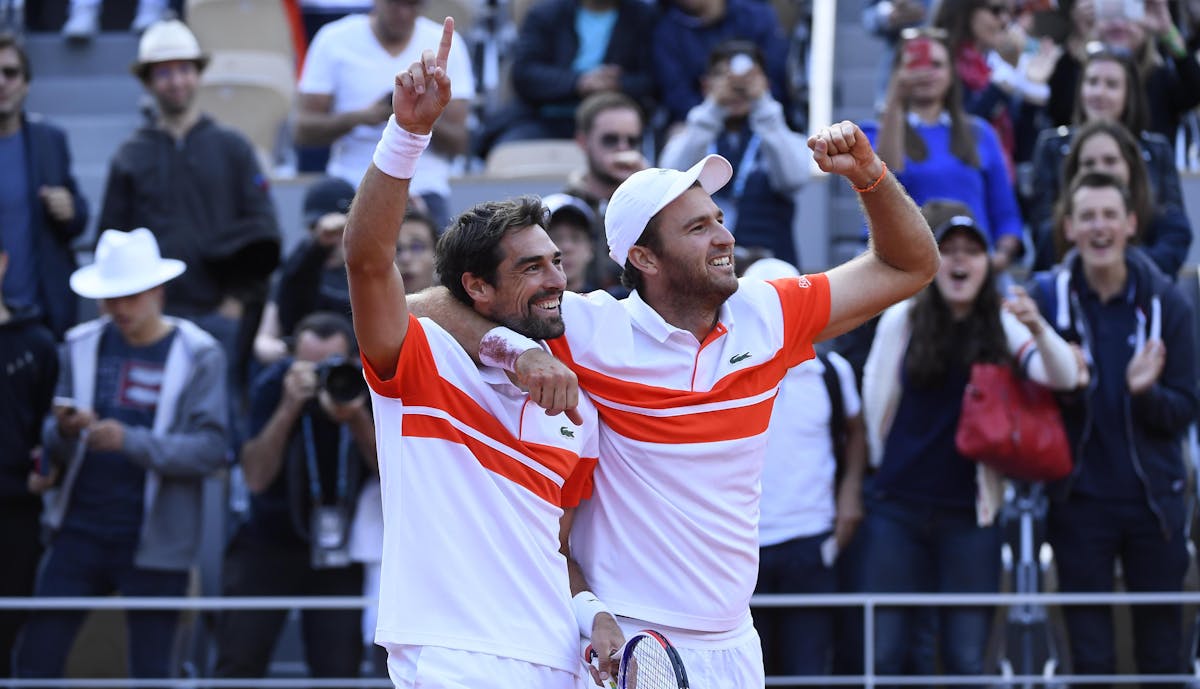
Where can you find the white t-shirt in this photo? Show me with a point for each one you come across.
(798, 475)
(346, 61)
(474, 479)
(671, 536)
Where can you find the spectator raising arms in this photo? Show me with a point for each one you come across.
(938, 151)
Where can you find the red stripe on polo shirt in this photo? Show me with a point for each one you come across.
(700, 427)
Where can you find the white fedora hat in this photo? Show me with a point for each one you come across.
(167, 40)
(126, 263)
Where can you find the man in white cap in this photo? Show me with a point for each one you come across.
(684, 373)
(197, 185)
(139, 420)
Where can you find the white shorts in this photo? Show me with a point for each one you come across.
(727, 660)
(435, 667)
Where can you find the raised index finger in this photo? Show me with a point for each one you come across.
(443, 53)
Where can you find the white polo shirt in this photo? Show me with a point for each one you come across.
(798, 475)
(671, 536)
(475, 478)
(347, 62)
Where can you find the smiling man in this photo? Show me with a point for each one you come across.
(684, 373)
(475, 479)
(1125, 497)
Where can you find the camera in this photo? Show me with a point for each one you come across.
(341, 378)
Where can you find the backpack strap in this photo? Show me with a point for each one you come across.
(837, 410)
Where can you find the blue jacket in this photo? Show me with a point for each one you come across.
(1156, 420)
(48, 164)
(1166, 237)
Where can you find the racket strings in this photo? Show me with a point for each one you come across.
(649, 667)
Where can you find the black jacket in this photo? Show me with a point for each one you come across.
(207, 202)
(28, 374)
(48, 164)
(542, 73)
(1156, 420)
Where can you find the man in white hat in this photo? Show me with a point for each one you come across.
(199, 188)
(139, 420)
(684, 373)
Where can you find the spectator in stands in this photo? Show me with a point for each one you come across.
(83, 18)
(811, 500)
(197, 185)
(313, 277)
(41, 209)
(930, 511)
(938, 151)
(140, 424)
(1164, 231)
(28, 374)
(686, 34)
(572, 227)
(1110, 90)
(1170, 73)
(1126, 498)
(341, 104)
(312, 439)
(886, 19)
(1079, 16)
(569, 49)
(610, 129)
(741, 121)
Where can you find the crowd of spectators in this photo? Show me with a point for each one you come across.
(1042, 139)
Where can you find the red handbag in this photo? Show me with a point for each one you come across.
(1013, 425)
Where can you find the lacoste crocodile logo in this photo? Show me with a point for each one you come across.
(738, 358)
(567, 432)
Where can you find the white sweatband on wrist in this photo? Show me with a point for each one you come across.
(587, 606)
(501, 347)
(398, 149)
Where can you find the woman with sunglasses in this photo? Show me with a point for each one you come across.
(1164, 231)
(1110, 89)
(937, 150)
(978, 33)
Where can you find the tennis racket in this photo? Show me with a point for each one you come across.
(648, 661)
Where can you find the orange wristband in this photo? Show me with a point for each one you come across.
(872, 185)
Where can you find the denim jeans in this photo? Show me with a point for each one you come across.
(82, 566)
(795, 641)
(919, 548)
(1089, 535)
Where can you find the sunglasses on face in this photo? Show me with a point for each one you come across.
(615, 141)
(999, 10)
(11, 72)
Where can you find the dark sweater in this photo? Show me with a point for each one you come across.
(28, 373)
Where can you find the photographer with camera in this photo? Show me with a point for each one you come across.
(312, 437)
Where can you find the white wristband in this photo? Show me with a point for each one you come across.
(501, 347)
(398, 149)
(587, 606)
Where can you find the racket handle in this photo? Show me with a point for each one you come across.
(590, 655)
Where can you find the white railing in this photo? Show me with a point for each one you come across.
(869, 602)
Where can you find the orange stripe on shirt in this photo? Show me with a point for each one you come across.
(806, 305)
(418, 383)
(421, 426)
(700, 427)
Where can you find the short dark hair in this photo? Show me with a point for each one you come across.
(471, 244)
(10, 41)
(417, 215)
(326, 324)
(593, 105)
(1096, 180)
(725, 50)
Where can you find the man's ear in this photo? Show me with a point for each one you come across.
(643, 259)
(477, 288)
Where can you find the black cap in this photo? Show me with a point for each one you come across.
(327, 195)
(566, 204)
(945, 215)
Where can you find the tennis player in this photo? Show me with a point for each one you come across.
(684, 373)
(478, 484)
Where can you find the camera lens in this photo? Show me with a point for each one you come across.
(342, 380)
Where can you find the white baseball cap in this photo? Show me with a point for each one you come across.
(126, 263)
(646, 192)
